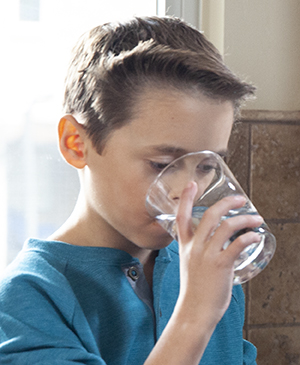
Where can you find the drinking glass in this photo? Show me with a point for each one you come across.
(215, 181)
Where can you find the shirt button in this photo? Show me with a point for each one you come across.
(133, 273)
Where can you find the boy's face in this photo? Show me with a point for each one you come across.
(166, 125)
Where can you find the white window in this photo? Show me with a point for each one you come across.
(38, 189)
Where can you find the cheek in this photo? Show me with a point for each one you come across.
(119, 188)
(120, 193)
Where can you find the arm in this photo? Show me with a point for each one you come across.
(206, 279)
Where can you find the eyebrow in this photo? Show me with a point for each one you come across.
(172, 150)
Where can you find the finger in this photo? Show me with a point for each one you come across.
(212, 217)
(234, 250)
(184, 213)
(231, 226)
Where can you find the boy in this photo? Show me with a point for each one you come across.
(106, 288)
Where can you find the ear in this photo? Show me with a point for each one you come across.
(71, 141)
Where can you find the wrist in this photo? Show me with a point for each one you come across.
(195, 321)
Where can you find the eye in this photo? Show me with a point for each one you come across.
(207, 165)
(205, 168)
(158, 166)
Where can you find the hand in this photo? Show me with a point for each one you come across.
(206, 277)
(206, 269)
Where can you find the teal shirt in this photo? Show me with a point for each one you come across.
(63, 304)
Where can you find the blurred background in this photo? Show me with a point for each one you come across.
(38, 189)
(260, 42)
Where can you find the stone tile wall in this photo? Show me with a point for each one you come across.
(264, 154)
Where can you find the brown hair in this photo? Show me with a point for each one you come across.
(113, 63)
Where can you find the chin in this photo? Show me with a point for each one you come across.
(158, 241)
(152, 237)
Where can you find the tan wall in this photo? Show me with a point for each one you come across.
(265, 157)
(260, 40)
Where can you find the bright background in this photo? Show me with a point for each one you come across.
(38, 189)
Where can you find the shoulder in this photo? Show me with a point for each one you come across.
(36, 301)
(40, 317)
(35, 261)
(35, 276)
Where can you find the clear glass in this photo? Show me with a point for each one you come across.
(215, 181)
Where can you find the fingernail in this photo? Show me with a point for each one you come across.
(257, 237)
(258, 218)
(240, 198)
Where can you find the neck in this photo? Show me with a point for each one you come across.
(85, 228)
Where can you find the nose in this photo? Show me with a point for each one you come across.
(177, 184)
(179, 180)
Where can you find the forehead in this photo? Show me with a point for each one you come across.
(170, 119)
